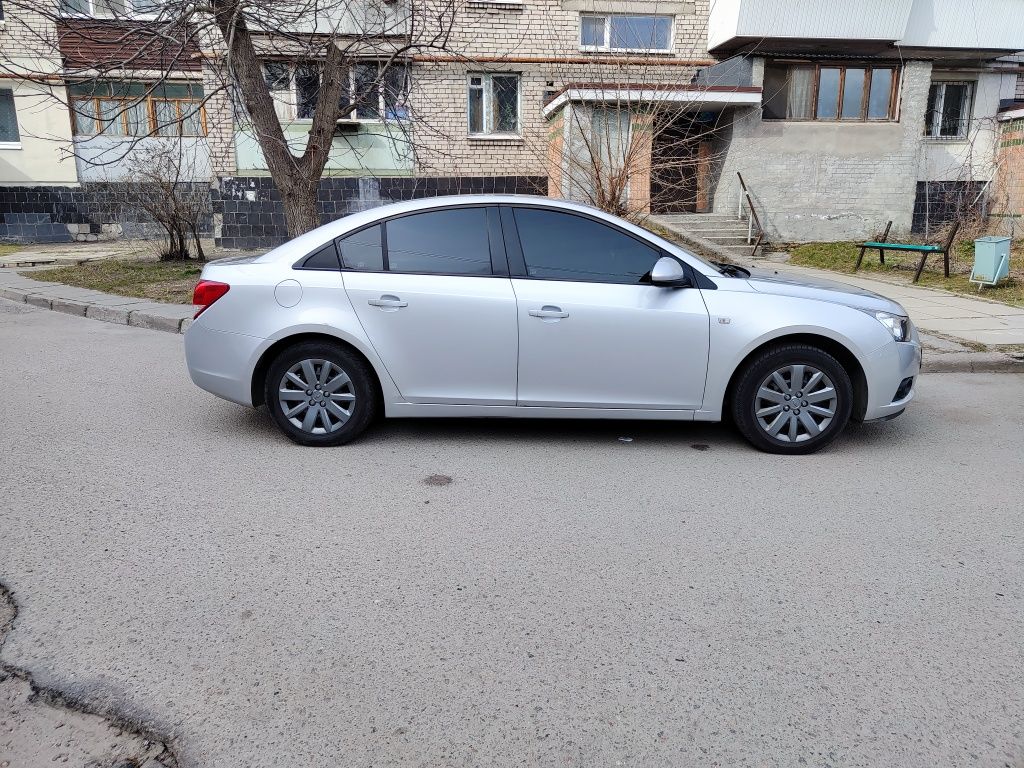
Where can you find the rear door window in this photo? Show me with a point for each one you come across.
(362, 250)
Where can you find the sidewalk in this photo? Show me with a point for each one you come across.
(83, 302)
(975, 321)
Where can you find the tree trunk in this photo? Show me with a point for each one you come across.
(296, 177)
(299, 199)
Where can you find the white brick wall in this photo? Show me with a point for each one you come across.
(541, 42)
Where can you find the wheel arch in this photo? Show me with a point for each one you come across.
(260, 371)
(837, 349)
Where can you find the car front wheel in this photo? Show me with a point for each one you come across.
(792, 399)
(320, 393)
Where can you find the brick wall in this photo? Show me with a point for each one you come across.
(1008, 189)
(540, 41)
(828, 181)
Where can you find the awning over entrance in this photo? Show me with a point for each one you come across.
(699, 96)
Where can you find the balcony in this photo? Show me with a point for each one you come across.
(865, 26)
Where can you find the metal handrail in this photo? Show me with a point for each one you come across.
(752, 217)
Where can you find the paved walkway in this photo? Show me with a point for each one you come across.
(973, 320)
(126, 310)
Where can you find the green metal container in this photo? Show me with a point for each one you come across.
(991, 260)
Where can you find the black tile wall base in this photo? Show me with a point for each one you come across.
(54, 214)
(251, 214)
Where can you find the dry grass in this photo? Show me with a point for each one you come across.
(171, 282)
(841, 257)
(6, 250)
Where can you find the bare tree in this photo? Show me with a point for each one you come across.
(160, 186)
(323, 47)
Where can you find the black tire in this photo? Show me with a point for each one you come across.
(362, 385)
(758, 371)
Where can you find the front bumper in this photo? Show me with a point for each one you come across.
(222, 363)
(886, 371)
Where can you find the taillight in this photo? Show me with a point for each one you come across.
(207, 292)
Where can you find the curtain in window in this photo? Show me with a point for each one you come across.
(505, 103)
(801, 93)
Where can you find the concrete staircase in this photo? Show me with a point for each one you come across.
(722, 235)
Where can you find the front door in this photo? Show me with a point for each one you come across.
(590, 333)
(426, 295)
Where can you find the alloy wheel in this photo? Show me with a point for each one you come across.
(795, 403)
(316, 396)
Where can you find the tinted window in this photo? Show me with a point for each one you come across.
(562, 246)
(452, 242)
(325, 258)
(361, 250)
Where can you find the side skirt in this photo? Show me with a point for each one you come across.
(421, 410)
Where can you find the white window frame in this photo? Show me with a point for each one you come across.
(933, 120)
(488, 96)
(286, 102)
(14, 106)
(90, 13)
(607, 48)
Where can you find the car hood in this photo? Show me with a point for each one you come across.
(769, 281)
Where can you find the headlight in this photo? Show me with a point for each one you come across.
(898, 325)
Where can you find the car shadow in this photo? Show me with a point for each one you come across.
(699, 436)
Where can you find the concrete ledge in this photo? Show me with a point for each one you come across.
(39, 300)
(69, 306)
(108, 314)
(12, 294)
(972, 362)
(143, 319)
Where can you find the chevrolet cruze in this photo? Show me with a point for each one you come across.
(514, 306)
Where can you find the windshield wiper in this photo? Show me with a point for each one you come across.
(732, 270)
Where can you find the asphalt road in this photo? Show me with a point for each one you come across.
(568, 600)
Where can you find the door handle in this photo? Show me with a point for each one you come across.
(388, 302)
(548, 312)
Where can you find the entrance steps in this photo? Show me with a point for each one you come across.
(715, 235)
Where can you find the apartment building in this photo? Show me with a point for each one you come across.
(839, 118)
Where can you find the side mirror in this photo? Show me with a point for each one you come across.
(669, 273)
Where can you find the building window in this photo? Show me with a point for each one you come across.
(949, 110)
(619, 32)
(9, 135)
(377, 93)
(137, 109)
(117, 9)
(493, 105)
(828, 92)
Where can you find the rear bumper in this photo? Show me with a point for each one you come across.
(886, 370)
(221, 362)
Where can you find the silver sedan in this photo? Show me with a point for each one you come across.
(525, 307)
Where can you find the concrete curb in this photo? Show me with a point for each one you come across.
(972, 362)
(176, 318)
(105, 307)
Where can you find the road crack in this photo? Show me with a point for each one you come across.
(40, 726)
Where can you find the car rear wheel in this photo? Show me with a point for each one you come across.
(792, 399)
(321, 393)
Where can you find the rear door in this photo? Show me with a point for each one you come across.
(591, 333)
(431, 290)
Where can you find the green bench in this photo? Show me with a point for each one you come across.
(925, 250)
